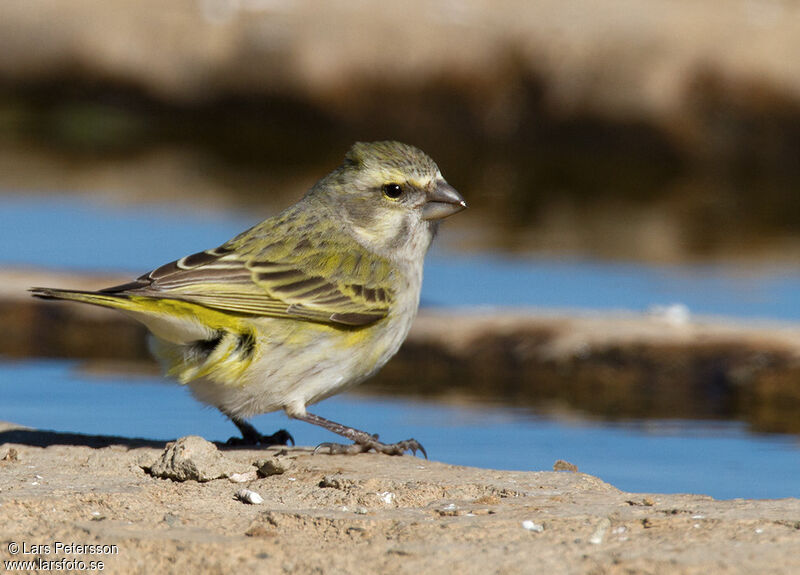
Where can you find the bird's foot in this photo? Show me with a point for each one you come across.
(366, 445)
(363, 441)
(280, 437)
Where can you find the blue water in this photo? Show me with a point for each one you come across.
(76, 234)
(717, 459)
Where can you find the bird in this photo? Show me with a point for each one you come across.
(303, 305)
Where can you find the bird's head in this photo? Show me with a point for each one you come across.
(392, 196)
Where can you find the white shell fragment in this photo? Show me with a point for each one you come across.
(249, 496)
(531, 526)
(600, 532)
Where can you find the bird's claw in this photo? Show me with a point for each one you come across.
(280, 437)
(398, 448)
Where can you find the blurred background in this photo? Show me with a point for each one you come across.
(618, 157)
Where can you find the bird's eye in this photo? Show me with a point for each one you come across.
(392, 191)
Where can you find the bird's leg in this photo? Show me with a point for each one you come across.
(363, 440)
(251, 436)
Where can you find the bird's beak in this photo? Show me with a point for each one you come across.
(443, 201)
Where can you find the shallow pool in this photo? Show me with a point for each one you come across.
(713, 458)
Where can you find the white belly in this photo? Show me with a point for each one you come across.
(290, 375)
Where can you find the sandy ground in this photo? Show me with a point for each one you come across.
(360, 514)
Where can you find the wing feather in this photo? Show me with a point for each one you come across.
(282, 287)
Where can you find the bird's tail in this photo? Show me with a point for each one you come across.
(115, 301)
(193, 341)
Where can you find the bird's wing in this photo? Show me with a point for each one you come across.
(321, 286)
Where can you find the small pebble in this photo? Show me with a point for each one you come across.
(387, 497)
(260, 531)
(335, 482)
(451, 510)
(243, 477)
(562, 465)
(249, 496)
(273, 466)
(190, 458)
(11, 455)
